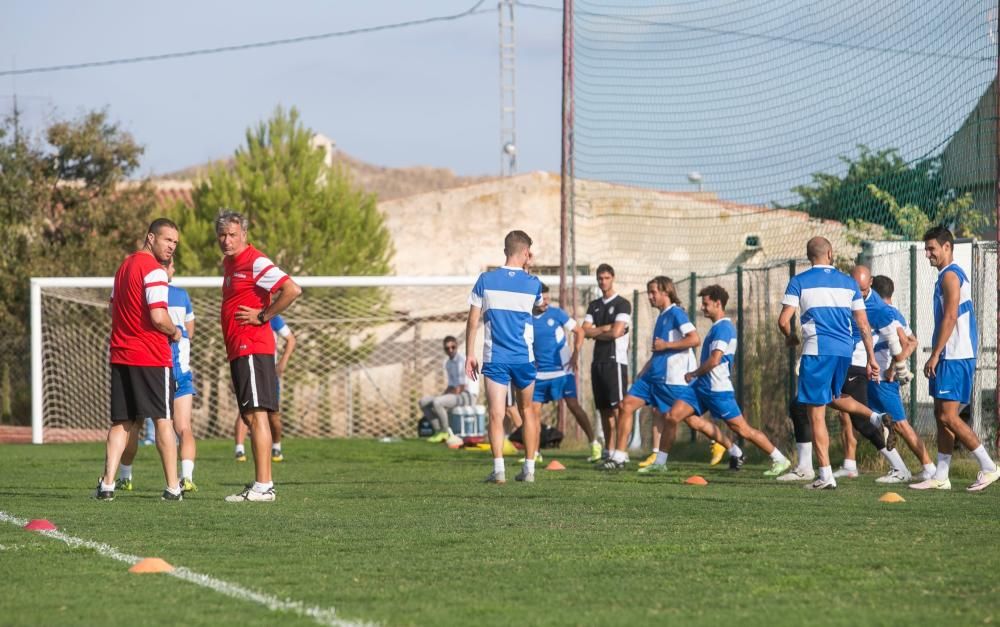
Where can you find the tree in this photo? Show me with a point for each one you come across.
(914, 220)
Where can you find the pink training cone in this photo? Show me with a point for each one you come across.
(555, 465)
(696, 480)
(151, 565)
(39, 524)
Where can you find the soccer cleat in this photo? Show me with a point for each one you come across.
(888, 432)
(438, 437)
(822, 484)
(170, 496)
(498, 478)
(101, 494)
(538, 458)
(717, 452)
(932, 484)
(188, 486)
(525, 476)
(844, 473)
(249, 494)
(241, 456)
(124, 484)
(649, 461)
(798, 474)
(276, 455)
(611, 464)
(735, 463)
(595, 452)
(778, 468)
(653, 469)
(894, 476)
(983, 480)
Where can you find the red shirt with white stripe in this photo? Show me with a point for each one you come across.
(140, 286)
(249, 279)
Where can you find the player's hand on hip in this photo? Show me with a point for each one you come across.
(689, 377)
(248, 315)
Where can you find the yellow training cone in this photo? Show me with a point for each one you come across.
(508, 447)
(891, 497)
(151, 565)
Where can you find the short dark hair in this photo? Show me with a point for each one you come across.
(940, 234)
(883, 286)
(716, 293)
(605, 267)
(449, 338)
(515, 242)
(159, 223)
(545, 289)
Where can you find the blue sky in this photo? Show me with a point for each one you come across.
(754, 94)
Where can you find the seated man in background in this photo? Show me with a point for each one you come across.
(460, 391)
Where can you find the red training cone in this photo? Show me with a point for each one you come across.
(696, 480)
(39, 524)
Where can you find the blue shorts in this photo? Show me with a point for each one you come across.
(884, 398)
(821, 378)
(184, 384)
(722, 405)
(548, 390)
(662, 396)
(522, 375)
(952, 380)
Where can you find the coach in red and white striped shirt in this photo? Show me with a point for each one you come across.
(254, 290)
(142, 382)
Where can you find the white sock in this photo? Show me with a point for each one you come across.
(276, 446)
(107, 488)
(240, 449)
(656, 450)
(929, 469)
(778, 456)
(661, 458)
(529, 466)
(943, 466)
(985, 463)
(826, 473)
(124, 471)
(595, 442)
(262, 487)
(876, 419)
(612, 453)
(174, 491)
(187, 468)
(804, 450)
(498, 464)
(895, 460)
(735, 451)
(852, 464)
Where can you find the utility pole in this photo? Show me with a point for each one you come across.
(508, 125)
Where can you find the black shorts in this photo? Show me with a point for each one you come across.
(256, 383)
(609, 382)
(139, 392)
(856, 384)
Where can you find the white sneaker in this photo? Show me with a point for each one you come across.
(525, 476)
(933, 484)
(843, 473)
(798, 474)
(249, 494)
(499, 478)
(895, 476)
(984, 479)
(822, 484)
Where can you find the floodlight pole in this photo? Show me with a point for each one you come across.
(566, 296)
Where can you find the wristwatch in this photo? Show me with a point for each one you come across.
(260, 317)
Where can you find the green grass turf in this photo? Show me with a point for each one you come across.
(405, 533)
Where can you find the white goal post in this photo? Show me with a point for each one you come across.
(366, 349)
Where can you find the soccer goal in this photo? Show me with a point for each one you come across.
(367, 348)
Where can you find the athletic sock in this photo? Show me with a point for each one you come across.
(985, 463)
(876, 419)
(804, 450)
(276, 446)
(895, 460)
(174, 491)
(852, 464)
(661, 458)
(777, 456)
(529, 466)
(929, 469)
(612, 454)
(107, 488)
(187, 468)
(943, 466)
(735, 451)
(240, 450)
(498, 464)
(595, 442)
(656, 450)
(124, 471)
(262, 487)
(826, 473)
(620, 456)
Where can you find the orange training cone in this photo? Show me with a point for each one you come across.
(555, 465)
(891, 497)
(40, 524)
(696, 480)
(151, 565)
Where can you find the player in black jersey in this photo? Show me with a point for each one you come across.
(608, 322)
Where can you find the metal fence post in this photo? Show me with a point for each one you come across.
(634, 361)
(692, 297)
(791, 350)
(913, 326)
(740, 336)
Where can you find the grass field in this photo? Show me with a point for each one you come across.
(404, 534)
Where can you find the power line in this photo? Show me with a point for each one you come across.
(473, 10)
(749, 35)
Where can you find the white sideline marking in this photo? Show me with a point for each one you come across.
(322, 615)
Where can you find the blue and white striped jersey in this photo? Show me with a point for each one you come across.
(181, 312)
(721, 337)
(506, 297)
(884, 321)
(826, 298)
(553, 344)
(964, 340)
(859, 357)
(670, 366)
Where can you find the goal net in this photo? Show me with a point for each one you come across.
(367, 348)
